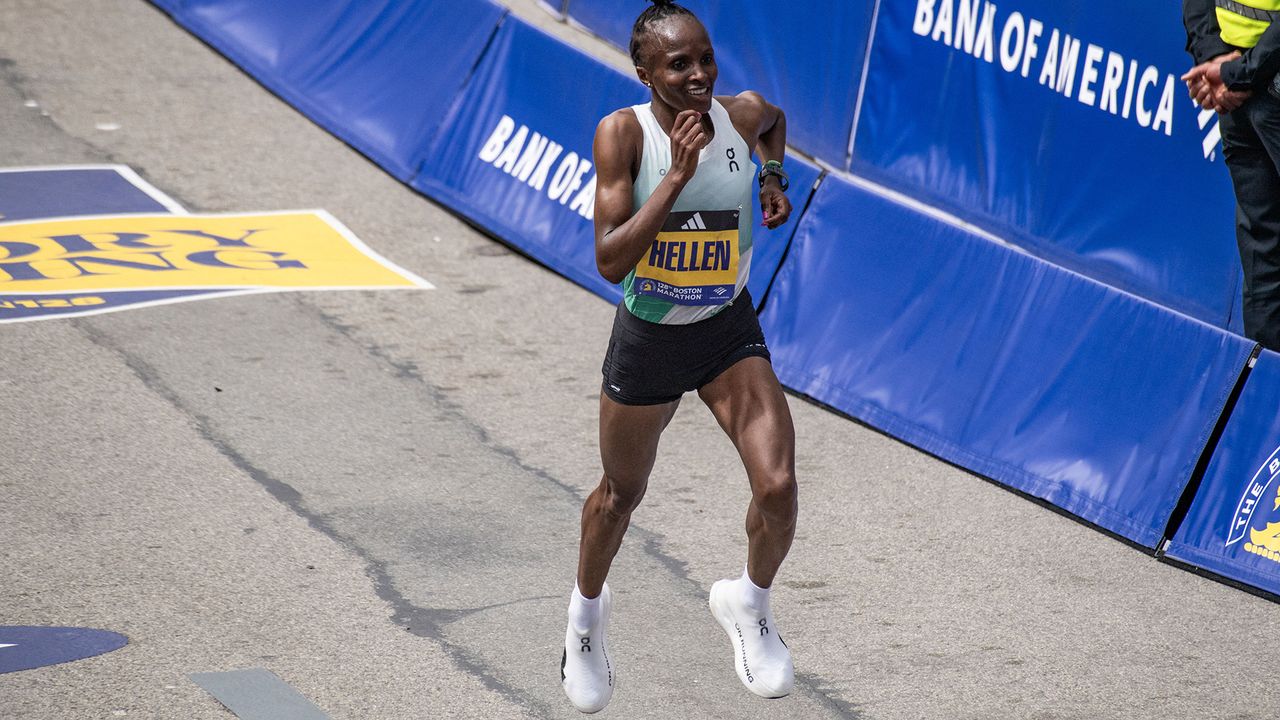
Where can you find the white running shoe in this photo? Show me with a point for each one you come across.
(586, 673)
(760, 657)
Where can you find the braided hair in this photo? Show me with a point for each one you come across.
(658, 11)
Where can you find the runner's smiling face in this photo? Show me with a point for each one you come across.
(680, 65)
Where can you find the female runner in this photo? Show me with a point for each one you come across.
(673, 225)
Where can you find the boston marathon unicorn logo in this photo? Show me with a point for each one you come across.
(1263, 531)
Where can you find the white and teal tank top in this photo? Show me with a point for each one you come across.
(701, 258)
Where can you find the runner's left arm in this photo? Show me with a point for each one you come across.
(771, 144)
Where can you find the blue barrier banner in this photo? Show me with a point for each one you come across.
(515, 156)
(1064, 127)
(1233, 526)
(380, 74)
(49, 192)
(807, 60)
(1041, 379)
(172, 7)
(609, 19)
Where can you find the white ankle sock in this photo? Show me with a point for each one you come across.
(583, 611)
(752, 595)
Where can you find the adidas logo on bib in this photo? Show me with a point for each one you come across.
(695, 223)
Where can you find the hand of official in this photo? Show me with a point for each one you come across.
(1226, 100)
(1205, 86)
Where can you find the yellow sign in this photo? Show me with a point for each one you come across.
(89, 265)
(287, 250)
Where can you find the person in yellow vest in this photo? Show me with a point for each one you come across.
(1236, 47)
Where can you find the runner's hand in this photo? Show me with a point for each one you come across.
(774, 204)
(687, 141)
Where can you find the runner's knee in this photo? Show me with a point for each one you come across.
(621, 498)
(775, 495)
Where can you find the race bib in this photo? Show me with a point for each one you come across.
(694, 260)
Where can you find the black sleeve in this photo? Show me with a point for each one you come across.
(1204, 39)
(1258, 65)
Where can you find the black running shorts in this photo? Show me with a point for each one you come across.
(649, 363)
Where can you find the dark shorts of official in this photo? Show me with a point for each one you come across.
(650, 364)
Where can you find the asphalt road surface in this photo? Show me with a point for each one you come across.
(374, 495)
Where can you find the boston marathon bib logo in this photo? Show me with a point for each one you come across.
(694, 259)
(77, 266)
(1263, 532)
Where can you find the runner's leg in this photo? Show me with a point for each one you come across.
(628, 447)
(749, 404)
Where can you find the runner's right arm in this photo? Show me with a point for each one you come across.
(622, 238)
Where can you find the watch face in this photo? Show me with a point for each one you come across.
(783, 183)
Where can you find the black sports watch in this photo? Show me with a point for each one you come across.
(774, 168)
